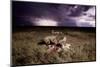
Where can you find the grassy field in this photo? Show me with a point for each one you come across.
(25, 48)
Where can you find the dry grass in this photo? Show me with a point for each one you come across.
(25, 49)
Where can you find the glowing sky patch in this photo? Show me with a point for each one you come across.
(87, 20)
(45, 22)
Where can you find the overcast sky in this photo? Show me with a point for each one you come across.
(47, 14)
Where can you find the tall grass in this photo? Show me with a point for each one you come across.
(25, 49)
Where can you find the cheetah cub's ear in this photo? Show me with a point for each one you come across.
(63, 40)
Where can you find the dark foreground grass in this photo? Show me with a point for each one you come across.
(25, 49)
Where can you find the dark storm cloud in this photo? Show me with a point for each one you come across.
(47, 14)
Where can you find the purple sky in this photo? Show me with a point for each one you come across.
(48, 14)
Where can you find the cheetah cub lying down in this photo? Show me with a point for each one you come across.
(55, 43)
